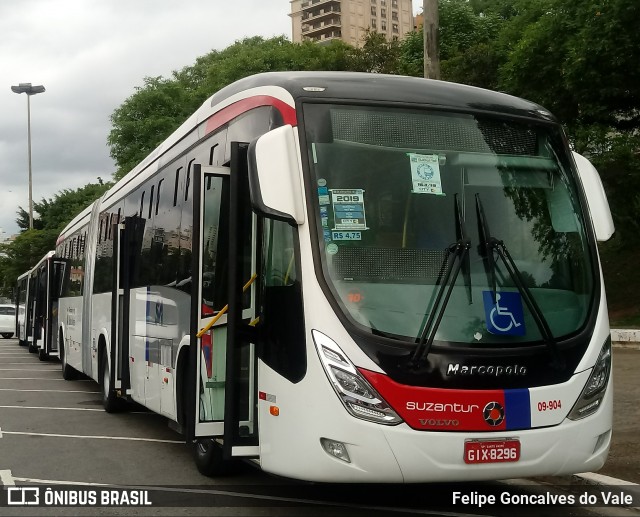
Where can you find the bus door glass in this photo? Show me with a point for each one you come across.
(55, 290)
(212, 342)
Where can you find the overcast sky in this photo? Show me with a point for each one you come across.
(90, 55)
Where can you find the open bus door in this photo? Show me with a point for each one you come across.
(126, 234)
(56, 276)
(223, 301)
(51, 275)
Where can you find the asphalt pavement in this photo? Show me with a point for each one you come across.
(624, 456)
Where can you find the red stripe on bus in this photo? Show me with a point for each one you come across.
(238, 108)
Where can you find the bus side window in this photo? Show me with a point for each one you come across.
(142, 204)
(175, 188)
(280, 300)
(188, 179)
(151, 202)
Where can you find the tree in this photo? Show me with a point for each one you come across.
(376, 54)
(158, 107)
(411, 59)
(468, 49)
(579, 59)
(135, 133)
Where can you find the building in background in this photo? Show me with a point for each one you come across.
(348, 20)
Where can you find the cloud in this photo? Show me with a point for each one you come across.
(90, 55)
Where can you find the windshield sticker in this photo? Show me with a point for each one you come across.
(425, 174)
(327, 235)
(346, 236)
(332, 249)
(322, 182)
(348, 209)
(324, 200)
(324, 216)
(504, 315)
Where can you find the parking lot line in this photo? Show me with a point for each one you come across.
(39, 379)
(29, 370)
(51, 391)
(91, 437)
(6, 478)
(53, 408)
(21, 362)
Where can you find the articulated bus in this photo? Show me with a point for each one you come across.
(393, 278)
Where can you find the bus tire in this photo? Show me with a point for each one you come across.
(110, 401)
(42, 355)
(7, 335)
(68, 373)
(32, 348)
(208, 457)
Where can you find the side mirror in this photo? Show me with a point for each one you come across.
(275, 176)
(596, 198)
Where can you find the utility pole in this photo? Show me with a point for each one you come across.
(431, 44)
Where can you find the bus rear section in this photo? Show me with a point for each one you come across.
(45, 282)
(428, 302)
(22, 293)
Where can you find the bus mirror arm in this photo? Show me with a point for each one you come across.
(275, 173)
(492, 244)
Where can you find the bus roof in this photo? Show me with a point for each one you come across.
(387, 88)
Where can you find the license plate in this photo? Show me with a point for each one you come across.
(491, 451)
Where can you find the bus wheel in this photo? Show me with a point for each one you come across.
(68, 373)
(109, 400)
(32, 348)
(208, 457)
(6, 335)
(42, 355)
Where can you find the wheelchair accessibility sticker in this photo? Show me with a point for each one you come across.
(505, 316)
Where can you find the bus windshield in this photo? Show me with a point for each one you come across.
(397, 192)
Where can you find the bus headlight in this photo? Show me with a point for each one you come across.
(355, 393)
(591, 397)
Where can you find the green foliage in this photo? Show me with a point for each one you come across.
(135, 133)
(375, 55)
(22, 254)
(580, 60)
(411, 59)
(468, 52)
(619, 166)
(158, 107)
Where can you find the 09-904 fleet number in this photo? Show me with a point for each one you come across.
(549, 405)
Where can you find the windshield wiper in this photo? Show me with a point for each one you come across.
(455, 259)
(489, 244)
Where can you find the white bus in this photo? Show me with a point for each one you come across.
(354, 278)
(45, 280)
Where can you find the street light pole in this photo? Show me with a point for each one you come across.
(29, 90)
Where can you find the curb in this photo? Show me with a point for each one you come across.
(594, 479)
(626, 338)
